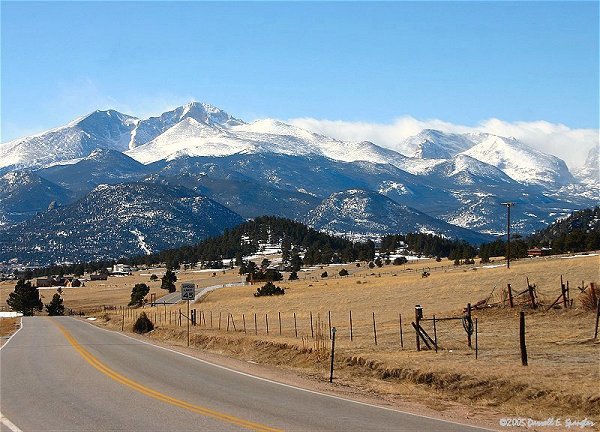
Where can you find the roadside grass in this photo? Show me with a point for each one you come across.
(8, 326)
(564, 361)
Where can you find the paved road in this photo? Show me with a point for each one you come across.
(175, 297)
(64, 374)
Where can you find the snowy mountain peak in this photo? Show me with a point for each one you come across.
(521, 162)
(149, 129)
(434, 144)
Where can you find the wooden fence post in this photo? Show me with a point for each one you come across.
(476, 344)
(295, 325)
(255, 325)
(267, 322)
(279, 314)
(597, 319)
(418, 316)
(469, 322)
(531, 289)
(329, 319)
(244, 320)
(312, 331)
(233, 323)
(510, 296)
(228, 314)
(435, 335)
(374, 329)
(351, 334)
(522, 338)
(401, 338)
(219, 320)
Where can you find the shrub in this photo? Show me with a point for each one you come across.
(324, 274)
(371, 264)
(143, 324)
(293, 276)
(343, 272)
(379, 262)
(153, 277)
(269, 289)
(589, 297)
(400, 260)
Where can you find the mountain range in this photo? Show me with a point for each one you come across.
(452, 184)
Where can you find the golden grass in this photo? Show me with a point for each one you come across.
(8, 326)
(564, 362)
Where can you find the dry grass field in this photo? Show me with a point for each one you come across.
(564, 361)
(8, 326)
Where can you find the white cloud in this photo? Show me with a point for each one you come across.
(571, 145)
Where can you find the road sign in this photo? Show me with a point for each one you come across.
(188, 291)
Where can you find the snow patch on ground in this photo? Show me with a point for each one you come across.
(10, 314)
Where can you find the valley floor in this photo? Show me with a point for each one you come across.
(561, 380)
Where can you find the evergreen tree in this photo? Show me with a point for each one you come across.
(25, 298)
(55, 307)
(138, 292)
(293, 276)
(168, 281)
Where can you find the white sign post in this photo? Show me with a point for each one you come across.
(188, 292)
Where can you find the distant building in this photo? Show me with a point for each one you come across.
(536, 251)
(121, 269)
(43, 282)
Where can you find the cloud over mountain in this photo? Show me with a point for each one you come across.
(571, 145)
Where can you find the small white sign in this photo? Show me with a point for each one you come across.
(188, 291)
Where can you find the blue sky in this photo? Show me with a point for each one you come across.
(461, 62)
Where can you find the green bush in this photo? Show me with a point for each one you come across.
(143, 324)
(269, 289)
(343, 272)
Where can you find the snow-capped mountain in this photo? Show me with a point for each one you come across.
(116, 221)
(149, 129)
(106, 129)
(367, 213)
(434, 144)
(193, 138)
(268, 167)
(589, 173)
(521, 162)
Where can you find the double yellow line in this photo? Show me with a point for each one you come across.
(157, 395)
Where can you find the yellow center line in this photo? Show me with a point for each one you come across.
(157, 395)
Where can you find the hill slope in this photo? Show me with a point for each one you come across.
(117, 221)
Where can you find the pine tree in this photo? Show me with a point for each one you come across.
(138, 292)
(25, 298)
(168, 281)
(55, 307)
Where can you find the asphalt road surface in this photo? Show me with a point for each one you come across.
(64, 374)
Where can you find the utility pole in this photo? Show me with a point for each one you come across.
(508, 206)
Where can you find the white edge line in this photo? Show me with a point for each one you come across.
(287, 385)
(5, 421)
